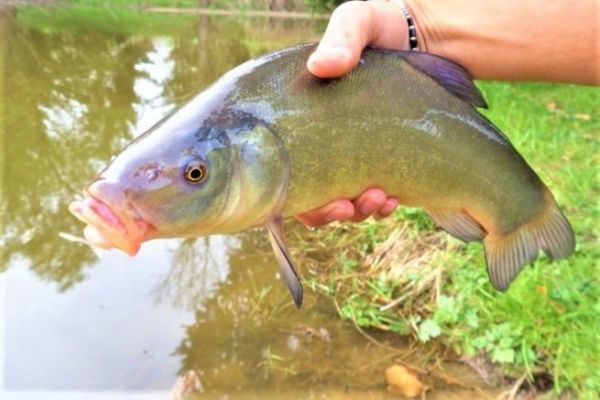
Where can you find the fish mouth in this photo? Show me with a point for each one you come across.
(109, 226)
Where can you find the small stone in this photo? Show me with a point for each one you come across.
(293, 343)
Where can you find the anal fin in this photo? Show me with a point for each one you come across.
(457, 223)
(288, 270)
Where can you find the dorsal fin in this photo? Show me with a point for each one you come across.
(450, 75)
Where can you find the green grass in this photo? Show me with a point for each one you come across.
(549, 321)
(115, 20)
(315, 6)
(137, 3)
(240, 5)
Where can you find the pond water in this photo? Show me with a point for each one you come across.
(75, 86)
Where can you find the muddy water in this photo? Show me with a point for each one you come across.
(75, 86)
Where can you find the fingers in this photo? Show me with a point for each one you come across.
(350, 29)
(353, 26)
(334, 211)
(388, 207)
(371, 202)
(368, 203)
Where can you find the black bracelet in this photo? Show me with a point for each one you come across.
(412, 29)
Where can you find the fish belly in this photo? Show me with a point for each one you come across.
(387, 125)
(440, 163)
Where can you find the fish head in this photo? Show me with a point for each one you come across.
(222, 174)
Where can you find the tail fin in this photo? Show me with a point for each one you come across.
(549, 231)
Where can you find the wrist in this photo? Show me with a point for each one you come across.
(429, 30)
(512, 39)
(472, 35)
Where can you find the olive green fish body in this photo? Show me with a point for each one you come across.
(407, 123)
(270, 140)
(389, 125)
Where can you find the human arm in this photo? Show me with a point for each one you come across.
(539, 40)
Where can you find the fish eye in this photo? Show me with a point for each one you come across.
(195, 172)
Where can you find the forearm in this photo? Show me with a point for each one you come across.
(514, 39)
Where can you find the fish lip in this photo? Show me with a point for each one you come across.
(119, 226)
(151, 231)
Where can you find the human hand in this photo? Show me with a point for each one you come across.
(478, 35)
(371, 202)
(353, 26)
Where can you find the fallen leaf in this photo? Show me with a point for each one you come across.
(402, 381)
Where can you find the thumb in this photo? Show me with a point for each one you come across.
(349, 30)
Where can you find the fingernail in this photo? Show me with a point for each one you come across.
(389, 207)
(330, 53)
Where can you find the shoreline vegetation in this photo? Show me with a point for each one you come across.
(404, 275)
(244, 13)
(247, 8)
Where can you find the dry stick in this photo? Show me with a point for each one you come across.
(368, 365)
(73, 238)
(449, 378)
(512, 393)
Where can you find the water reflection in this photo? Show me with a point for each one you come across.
(68, 100)
(149, 87)
(253, 337)
(198, 268)
(104, 333)
(76, 85)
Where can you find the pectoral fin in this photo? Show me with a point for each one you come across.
(288, 270)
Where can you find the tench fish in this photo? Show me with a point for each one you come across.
(269, 140)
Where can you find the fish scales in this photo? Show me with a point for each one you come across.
(269, 140)
(425, 146)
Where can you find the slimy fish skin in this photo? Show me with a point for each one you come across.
(268, 140)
